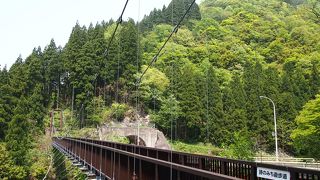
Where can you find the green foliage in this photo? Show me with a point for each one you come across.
(171, 14)
(36, 101)
(53, 71)
(190, 102)
(155, 79)
(235, 118)
(306, 137)
(168, 113)
(84, 132)
(74, 172)
(199, 148)
(241, 148)
(8, 168)
(63, 168)
(7, 104)
(59, 165)
(119, 139)
(212, 102)
(70, 122)
(18, 135)
(40, 160)
(95, 111)
(152, 87)
(117, 111)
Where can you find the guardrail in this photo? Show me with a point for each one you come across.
(228, 167)
(287, 159)
(114, 163)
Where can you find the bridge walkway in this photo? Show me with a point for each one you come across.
(111, 160)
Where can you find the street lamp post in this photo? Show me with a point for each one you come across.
(275, 125)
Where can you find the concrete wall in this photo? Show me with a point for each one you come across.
(150, 136)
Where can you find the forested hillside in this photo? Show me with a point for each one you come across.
(206, 82)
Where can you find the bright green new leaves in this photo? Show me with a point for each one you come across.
(118, 111)
(155, 79)
(241, 148)
(153, 85)
(167, 116)
(306, 138)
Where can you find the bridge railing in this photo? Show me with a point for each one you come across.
(112, 162)
(230, 167)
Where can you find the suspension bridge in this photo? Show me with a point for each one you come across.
(109, 160)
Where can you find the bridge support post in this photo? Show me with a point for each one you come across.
(128, 167)
(202, 163)
(253, 173)
(223, 167)
(156, 172)
(294, 175)
(140, 169)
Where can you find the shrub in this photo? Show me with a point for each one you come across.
(242, 147)
(118, 111)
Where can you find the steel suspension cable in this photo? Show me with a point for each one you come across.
(207, 95)
(106, 52)
(100, 163)
(137, 95)
(171, 118)
(50, 166)
(175, 29)
(117, 100)
(68, 172)
(119, 21)
(64, 160)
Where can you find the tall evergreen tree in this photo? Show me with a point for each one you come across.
(234, 99)
(176, 10)
(271, 85)
(129, 55)
(190, 102)
(18, 75)
(253, 86)
(315, 79)
(99, 43)
(87, 77)
(54, 68)
(288, 107)
(171, 14)
(71, 58)
(18, 134)
(37, 108)
(7, 102)
(34, 70)
(215, 107)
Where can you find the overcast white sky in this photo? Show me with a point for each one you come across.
(32, 23)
